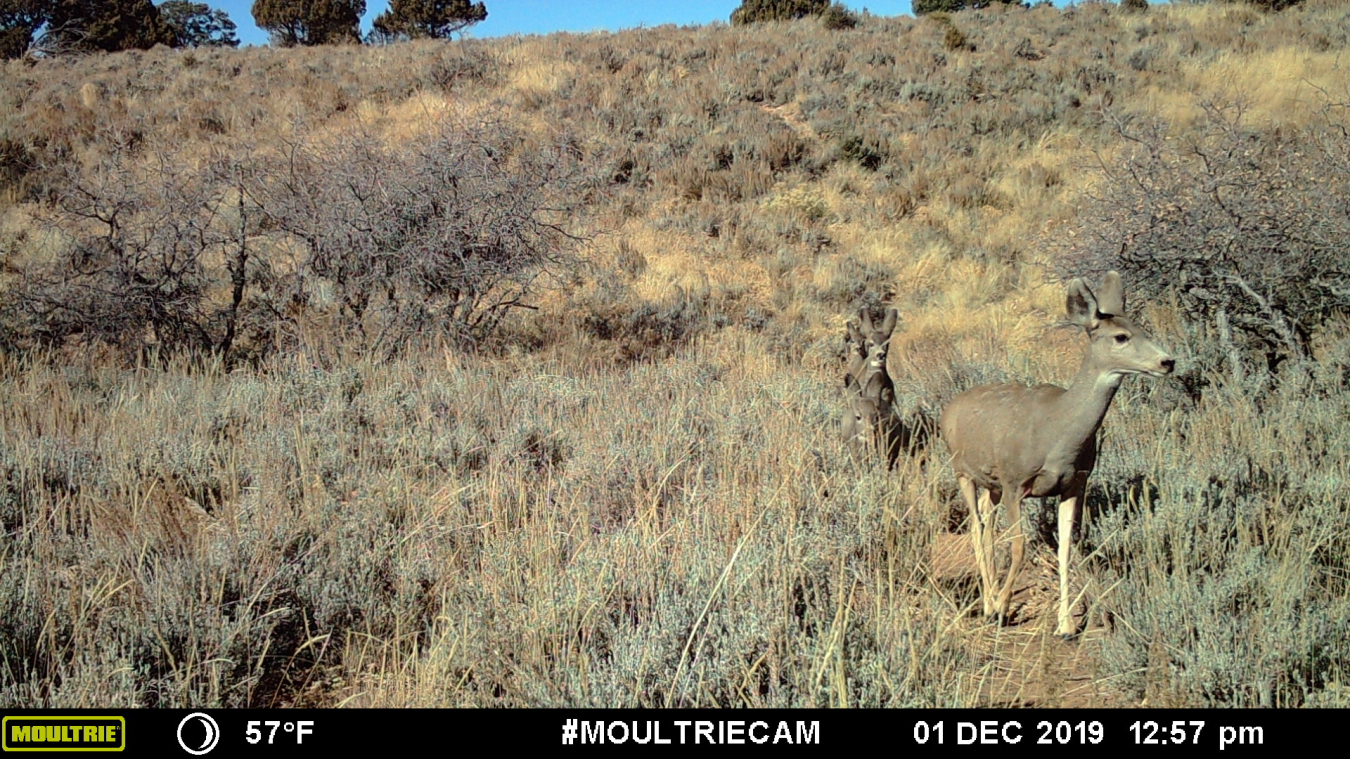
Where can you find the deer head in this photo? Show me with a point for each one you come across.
(1117, 346)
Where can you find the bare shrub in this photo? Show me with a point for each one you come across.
(867, 151)
(1142, 58)
(16, 162)
(630, 328)
(1247, 226)
(955, 39)
(445, 234)
(141, 252)
(465, 63)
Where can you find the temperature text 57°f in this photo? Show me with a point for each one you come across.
(300, 728)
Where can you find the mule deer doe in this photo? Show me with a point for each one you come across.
(1017, 441)
(871, 420)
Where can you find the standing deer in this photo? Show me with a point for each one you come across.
(1017, 441)
(871, 346)
(871, 419)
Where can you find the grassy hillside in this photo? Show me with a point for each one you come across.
(264, 454)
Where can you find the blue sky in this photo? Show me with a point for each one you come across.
(544, 16)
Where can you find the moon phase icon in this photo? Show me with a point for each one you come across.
(209, 727)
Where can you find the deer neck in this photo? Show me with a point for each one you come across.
(1080, 410)
(873, 381)
(857, 367)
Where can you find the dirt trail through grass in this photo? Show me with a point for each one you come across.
(1025, 664)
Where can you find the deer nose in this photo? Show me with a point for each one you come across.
(1168, 364)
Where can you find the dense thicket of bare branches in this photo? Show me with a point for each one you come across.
(1248, 227)
(444, 234)
(447, 232)
(143, 248)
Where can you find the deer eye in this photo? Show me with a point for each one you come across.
(1122, 339)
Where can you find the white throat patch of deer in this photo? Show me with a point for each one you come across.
(1009, 442)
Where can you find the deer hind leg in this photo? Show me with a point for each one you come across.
(985, 530)
(989, 501)
(977, 535)
(1070, 511)
(1018, 551)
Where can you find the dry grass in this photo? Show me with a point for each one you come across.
(636, 495)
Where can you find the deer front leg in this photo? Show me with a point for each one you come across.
(1070, 511)
(894, 440)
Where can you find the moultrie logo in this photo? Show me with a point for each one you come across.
(63, 733)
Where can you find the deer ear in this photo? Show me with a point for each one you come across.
(854, 334)
(888, 326)
(1111, 296)
(865, 317)
(1081, 305)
